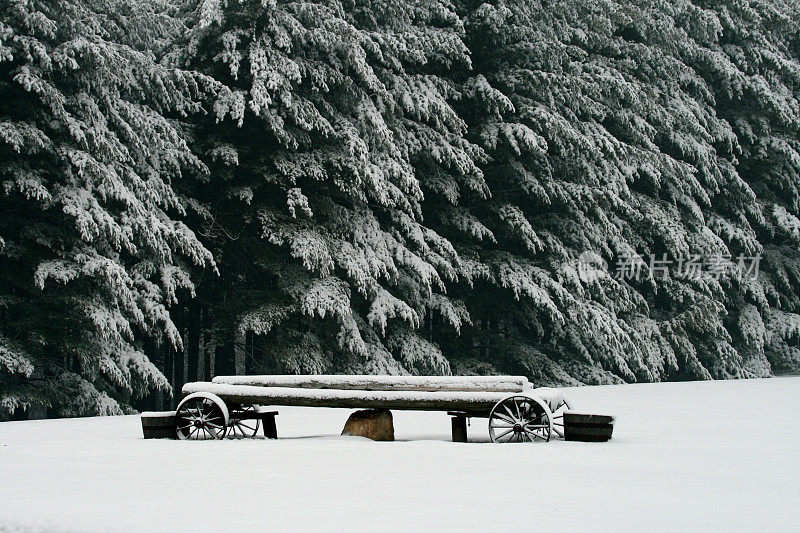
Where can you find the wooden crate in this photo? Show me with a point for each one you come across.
(159, 425)
(588, 427)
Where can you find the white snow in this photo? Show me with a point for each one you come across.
(396, 383)
(554, 398)
(685, 456)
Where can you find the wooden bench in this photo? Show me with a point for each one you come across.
(517, 412)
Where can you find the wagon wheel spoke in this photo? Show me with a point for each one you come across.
(516, 409)
(243, 427)
(245, 430)
(534, 434)
(503, 434)
(536, 426)
(504, 418)
(246, 425)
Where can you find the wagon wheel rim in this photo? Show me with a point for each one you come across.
(558, 417)
(200, 419)
(243, 428)
(519, 419)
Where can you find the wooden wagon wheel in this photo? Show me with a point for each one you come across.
(520, 418)
(558, 417)
(243, 428)
(201, 416)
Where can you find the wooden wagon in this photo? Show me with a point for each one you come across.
(233, 405)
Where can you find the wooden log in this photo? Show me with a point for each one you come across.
(385, 383)
(159, 425)
(473, 402)
(459, 427)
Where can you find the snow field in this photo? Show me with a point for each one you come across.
(685, 456)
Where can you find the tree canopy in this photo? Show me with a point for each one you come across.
(365, 186)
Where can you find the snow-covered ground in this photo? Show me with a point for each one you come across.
(700, 456)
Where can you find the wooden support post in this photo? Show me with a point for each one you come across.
(270, 428)
(459, 425)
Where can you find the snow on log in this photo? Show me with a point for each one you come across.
(552, 397)
(468, 401)
(386, 383)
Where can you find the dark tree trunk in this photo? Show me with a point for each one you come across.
(193, 340)
(166, 356)
(483, 344)
(224, 359)
(250, 341)
(178, 358)
(219, 360)
(207, 375)
(230, 354)
(179, 380)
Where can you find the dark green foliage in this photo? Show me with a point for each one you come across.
(394, 187)
(91, 254)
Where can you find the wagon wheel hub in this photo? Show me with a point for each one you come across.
(517, 428)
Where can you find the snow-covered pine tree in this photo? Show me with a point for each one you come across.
(605, 126)
(342, 123)
(313, 203)
(751, 60)
(92, 250)
(394, 188)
